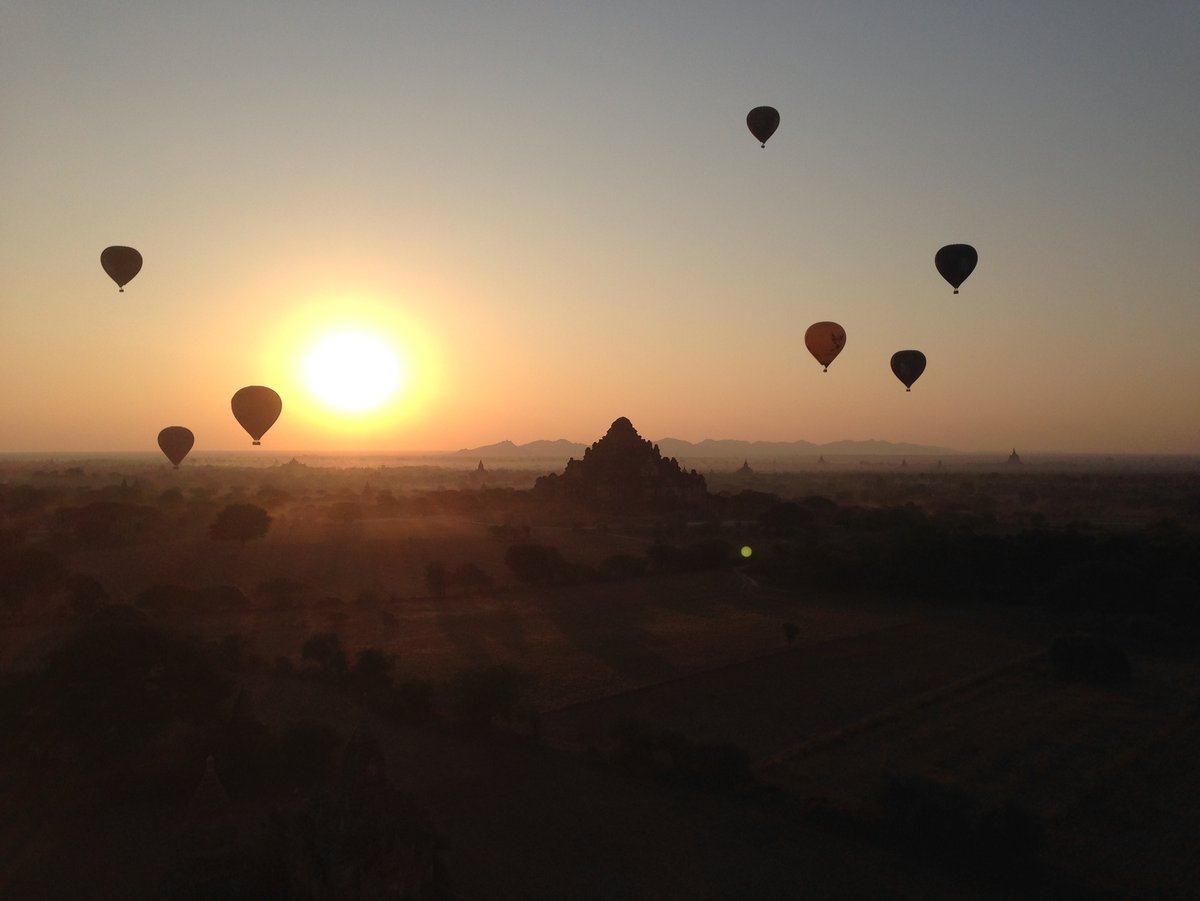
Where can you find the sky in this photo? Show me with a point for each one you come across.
(554, 214)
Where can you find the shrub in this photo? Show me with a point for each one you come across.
(84, 593)
(411, 701)
(303, 755)
(470, 578)
(371, 675)
(484, 694)
(119, 679)
(281, 591)
(535, 563)
(325, 649)
(240, 522)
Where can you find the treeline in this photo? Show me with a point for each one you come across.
(816, 543)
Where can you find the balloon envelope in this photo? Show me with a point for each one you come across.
(908, 366)
(121, 264)
(256, 408)
(825, 341)
(955, 262)
(762, 122)
(175, 441)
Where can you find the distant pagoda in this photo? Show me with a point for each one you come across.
(623, 471)
(1014, 458)
(745, 470)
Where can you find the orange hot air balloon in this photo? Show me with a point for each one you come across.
(908, 366)
(175, 441)
(955, 262)
(762, 122)
(825, 341)
(121, 264)
(256, 408)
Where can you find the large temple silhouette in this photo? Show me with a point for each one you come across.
(623, 471)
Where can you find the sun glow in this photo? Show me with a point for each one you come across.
(358, 368)
(353, 371)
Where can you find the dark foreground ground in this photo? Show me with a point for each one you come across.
(869, 693)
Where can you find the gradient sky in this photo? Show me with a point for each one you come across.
(557, 210)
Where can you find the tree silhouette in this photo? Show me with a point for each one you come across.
(240, 522)
(535, 563)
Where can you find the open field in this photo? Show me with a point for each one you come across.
(956, 690)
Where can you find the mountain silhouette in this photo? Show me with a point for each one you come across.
(711, 448)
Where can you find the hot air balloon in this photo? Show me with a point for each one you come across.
(121, 264)
(908, 366)
(762, 122)
(955, 262)
(175, 442)
(256, 408)
(825, 341)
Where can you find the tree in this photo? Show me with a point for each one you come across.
(482, 694)
(325, 649)
(470, 578)
(240, 522)
(535, 563)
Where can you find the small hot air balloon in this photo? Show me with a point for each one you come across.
(955, 262)
(908, 366)
(825, 341)
(762, 122)
(175, 441)
(121, 264)
(256, 408)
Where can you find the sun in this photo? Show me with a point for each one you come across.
(353, 371)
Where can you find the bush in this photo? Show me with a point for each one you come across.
(240, 522)
(470, 578)
(84, 593)
(303, 755)
(371, 675)
(411, 701)
(325, 650)
(280, 591)
(119, 679)
(535, 563)
(484, 694)
(1088, 658)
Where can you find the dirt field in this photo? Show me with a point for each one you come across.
(960, 694)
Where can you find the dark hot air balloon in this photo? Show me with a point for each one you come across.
(955, 262)
(256, 408)
(175, 441)
(908, 366)
(825, 341)
(762, 122)
(121, 264)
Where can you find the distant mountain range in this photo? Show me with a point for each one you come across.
(712, 449)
